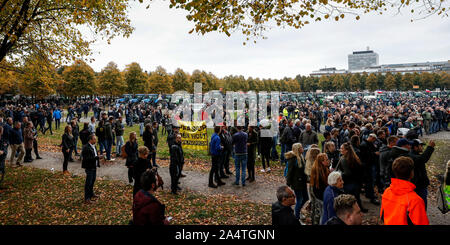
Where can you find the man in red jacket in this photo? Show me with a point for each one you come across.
(400, 205)
(147, 210)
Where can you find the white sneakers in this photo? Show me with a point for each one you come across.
(263, 170)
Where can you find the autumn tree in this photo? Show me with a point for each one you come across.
(111, 81)
(135, 78)
(7, 80)
(389, 82)
(253, 18)
(354, 83)
(445, 80)
(181, 81)
(80, 79)
(372, 82)
(407, 82)
(337, 82)
(53, 28)
(160, 82)
(324, 83)
(427, 81)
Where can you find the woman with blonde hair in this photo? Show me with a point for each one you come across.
(329, 124)
(310, 157)
(318, 184)
(296, 177)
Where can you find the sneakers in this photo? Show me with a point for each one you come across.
(268, 169)
(263, 170)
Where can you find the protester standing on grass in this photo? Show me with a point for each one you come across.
(131, 149)
(100, 133)
(176, 161)
(90, 162)
(67, 147)
(76, 134)
(252, 142)
(16, 142)
(57, 116)
(119, 129)
(147, 210)
(3, 154)
(155, 144)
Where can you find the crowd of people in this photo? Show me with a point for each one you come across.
(363, 141)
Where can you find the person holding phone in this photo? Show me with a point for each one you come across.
(147, 210)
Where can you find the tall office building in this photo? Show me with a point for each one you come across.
(362, 59)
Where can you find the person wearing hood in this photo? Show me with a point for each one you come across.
(282, 213)
(147, 210)
(333, 190)
(296, 177)
(386, 162)
(402, 148)
(420, 158)
(400, 205)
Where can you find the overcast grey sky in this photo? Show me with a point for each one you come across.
(161, 38)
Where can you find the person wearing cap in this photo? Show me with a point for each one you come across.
(420, 159)
(369, 158)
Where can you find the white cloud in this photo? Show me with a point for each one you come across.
(161, 38)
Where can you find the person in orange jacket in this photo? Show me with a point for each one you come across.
(400, 205)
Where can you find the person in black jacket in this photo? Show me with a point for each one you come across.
(140, 166)
(420, 159)
(147, 137)
(84, 134)
(76, 134)
(90, 163)
(296, 177)
(369, 158)
(67, 147)
(226, 140)
(3, 153)
(282, 213)
(101, 136)
(176, 163)
(155, 144)
(131, 149)
(252, 142)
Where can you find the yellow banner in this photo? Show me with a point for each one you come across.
(194, 135)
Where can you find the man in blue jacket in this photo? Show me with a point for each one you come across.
(216, 150)
(57, 117)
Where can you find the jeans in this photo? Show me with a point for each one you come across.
(274, 148)
(75, 143)
(369, 172)
(423, 193)
(240, 161)
(141, 128)
(288, 149)
(301, 196)
(102, 144)
(108, 146)
(89, 185)
(57, 123)
(119, 144)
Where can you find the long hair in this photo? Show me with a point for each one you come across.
(351, 157)
(66, 130)
(327, 146)
(319, 172)
(295, 148)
